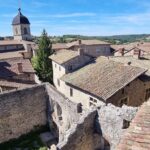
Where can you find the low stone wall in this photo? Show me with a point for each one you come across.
(21, 111)
(82, 136)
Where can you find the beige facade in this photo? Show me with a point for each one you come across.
(79, 96)
(94, 50)
(134, 94)
(22, 32)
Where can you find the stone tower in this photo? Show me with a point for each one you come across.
(21, 27)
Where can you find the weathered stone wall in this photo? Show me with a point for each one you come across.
(134, 92)
(21, 111)
(82, 136)
(61, 110)
(95, 50)
(111, 121)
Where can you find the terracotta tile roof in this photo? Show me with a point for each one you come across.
(14, 84)
(142, 63)
(13, 54)
(103, 78)
(87, 42)
(118, 47)
(137, 136)
(58, 46)
(14, 42)
(9, 67)
(9, 42)
(63, 56)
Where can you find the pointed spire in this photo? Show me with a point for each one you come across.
(19, 9)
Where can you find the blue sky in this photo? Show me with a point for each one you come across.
(84, 17)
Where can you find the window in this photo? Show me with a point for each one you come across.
(16, 31)
(126, 124)
(59, 68)
(71, 92)
(123, 91)
(123, 101)
(98, 50)
(147, 96)
(70, 67)
(55, 65)
(91, 104)
(58, 82)
(93, 100)
(25, 31)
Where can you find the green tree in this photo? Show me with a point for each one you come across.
(41, 63)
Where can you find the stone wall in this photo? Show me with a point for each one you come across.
(134, 92)
(82, 136)
(113, 121)
(21, 111)
(61, 110)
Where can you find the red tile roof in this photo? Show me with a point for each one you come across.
(137, 136)
(9, 67)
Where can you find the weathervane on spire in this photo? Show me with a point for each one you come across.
(19, 4)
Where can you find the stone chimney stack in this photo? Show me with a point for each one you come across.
(137, 53)
(20, 69)
(121, 50)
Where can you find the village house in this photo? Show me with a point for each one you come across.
(93, 48)
(16, 73)
(99, 81)
(131, 49)
(65, 61)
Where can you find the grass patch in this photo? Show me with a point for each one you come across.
(29, 141)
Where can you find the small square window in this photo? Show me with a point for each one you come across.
(123, 101)
(71, 92)
(70, 68)
(126, 124)
(59, 68)
(58, 82)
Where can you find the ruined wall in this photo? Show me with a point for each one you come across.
(21, 111)
(61, 110)
(112, 122)
(82, 136)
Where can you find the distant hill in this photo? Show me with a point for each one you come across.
(116, 39)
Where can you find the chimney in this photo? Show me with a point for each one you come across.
(121, 50)
(81, 51)
(137, 53)
(20, 69)
(80, 42)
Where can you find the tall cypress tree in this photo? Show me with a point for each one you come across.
(43, 64)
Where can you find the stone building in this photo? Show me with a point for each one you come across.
(21, 27)
(93, 48)
(16, 73)
(100, 81)
(65, 61)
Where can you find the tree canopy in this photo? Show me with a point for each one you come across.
(42, 64)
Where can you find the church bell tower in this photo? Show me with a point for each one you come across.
(21, 27)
